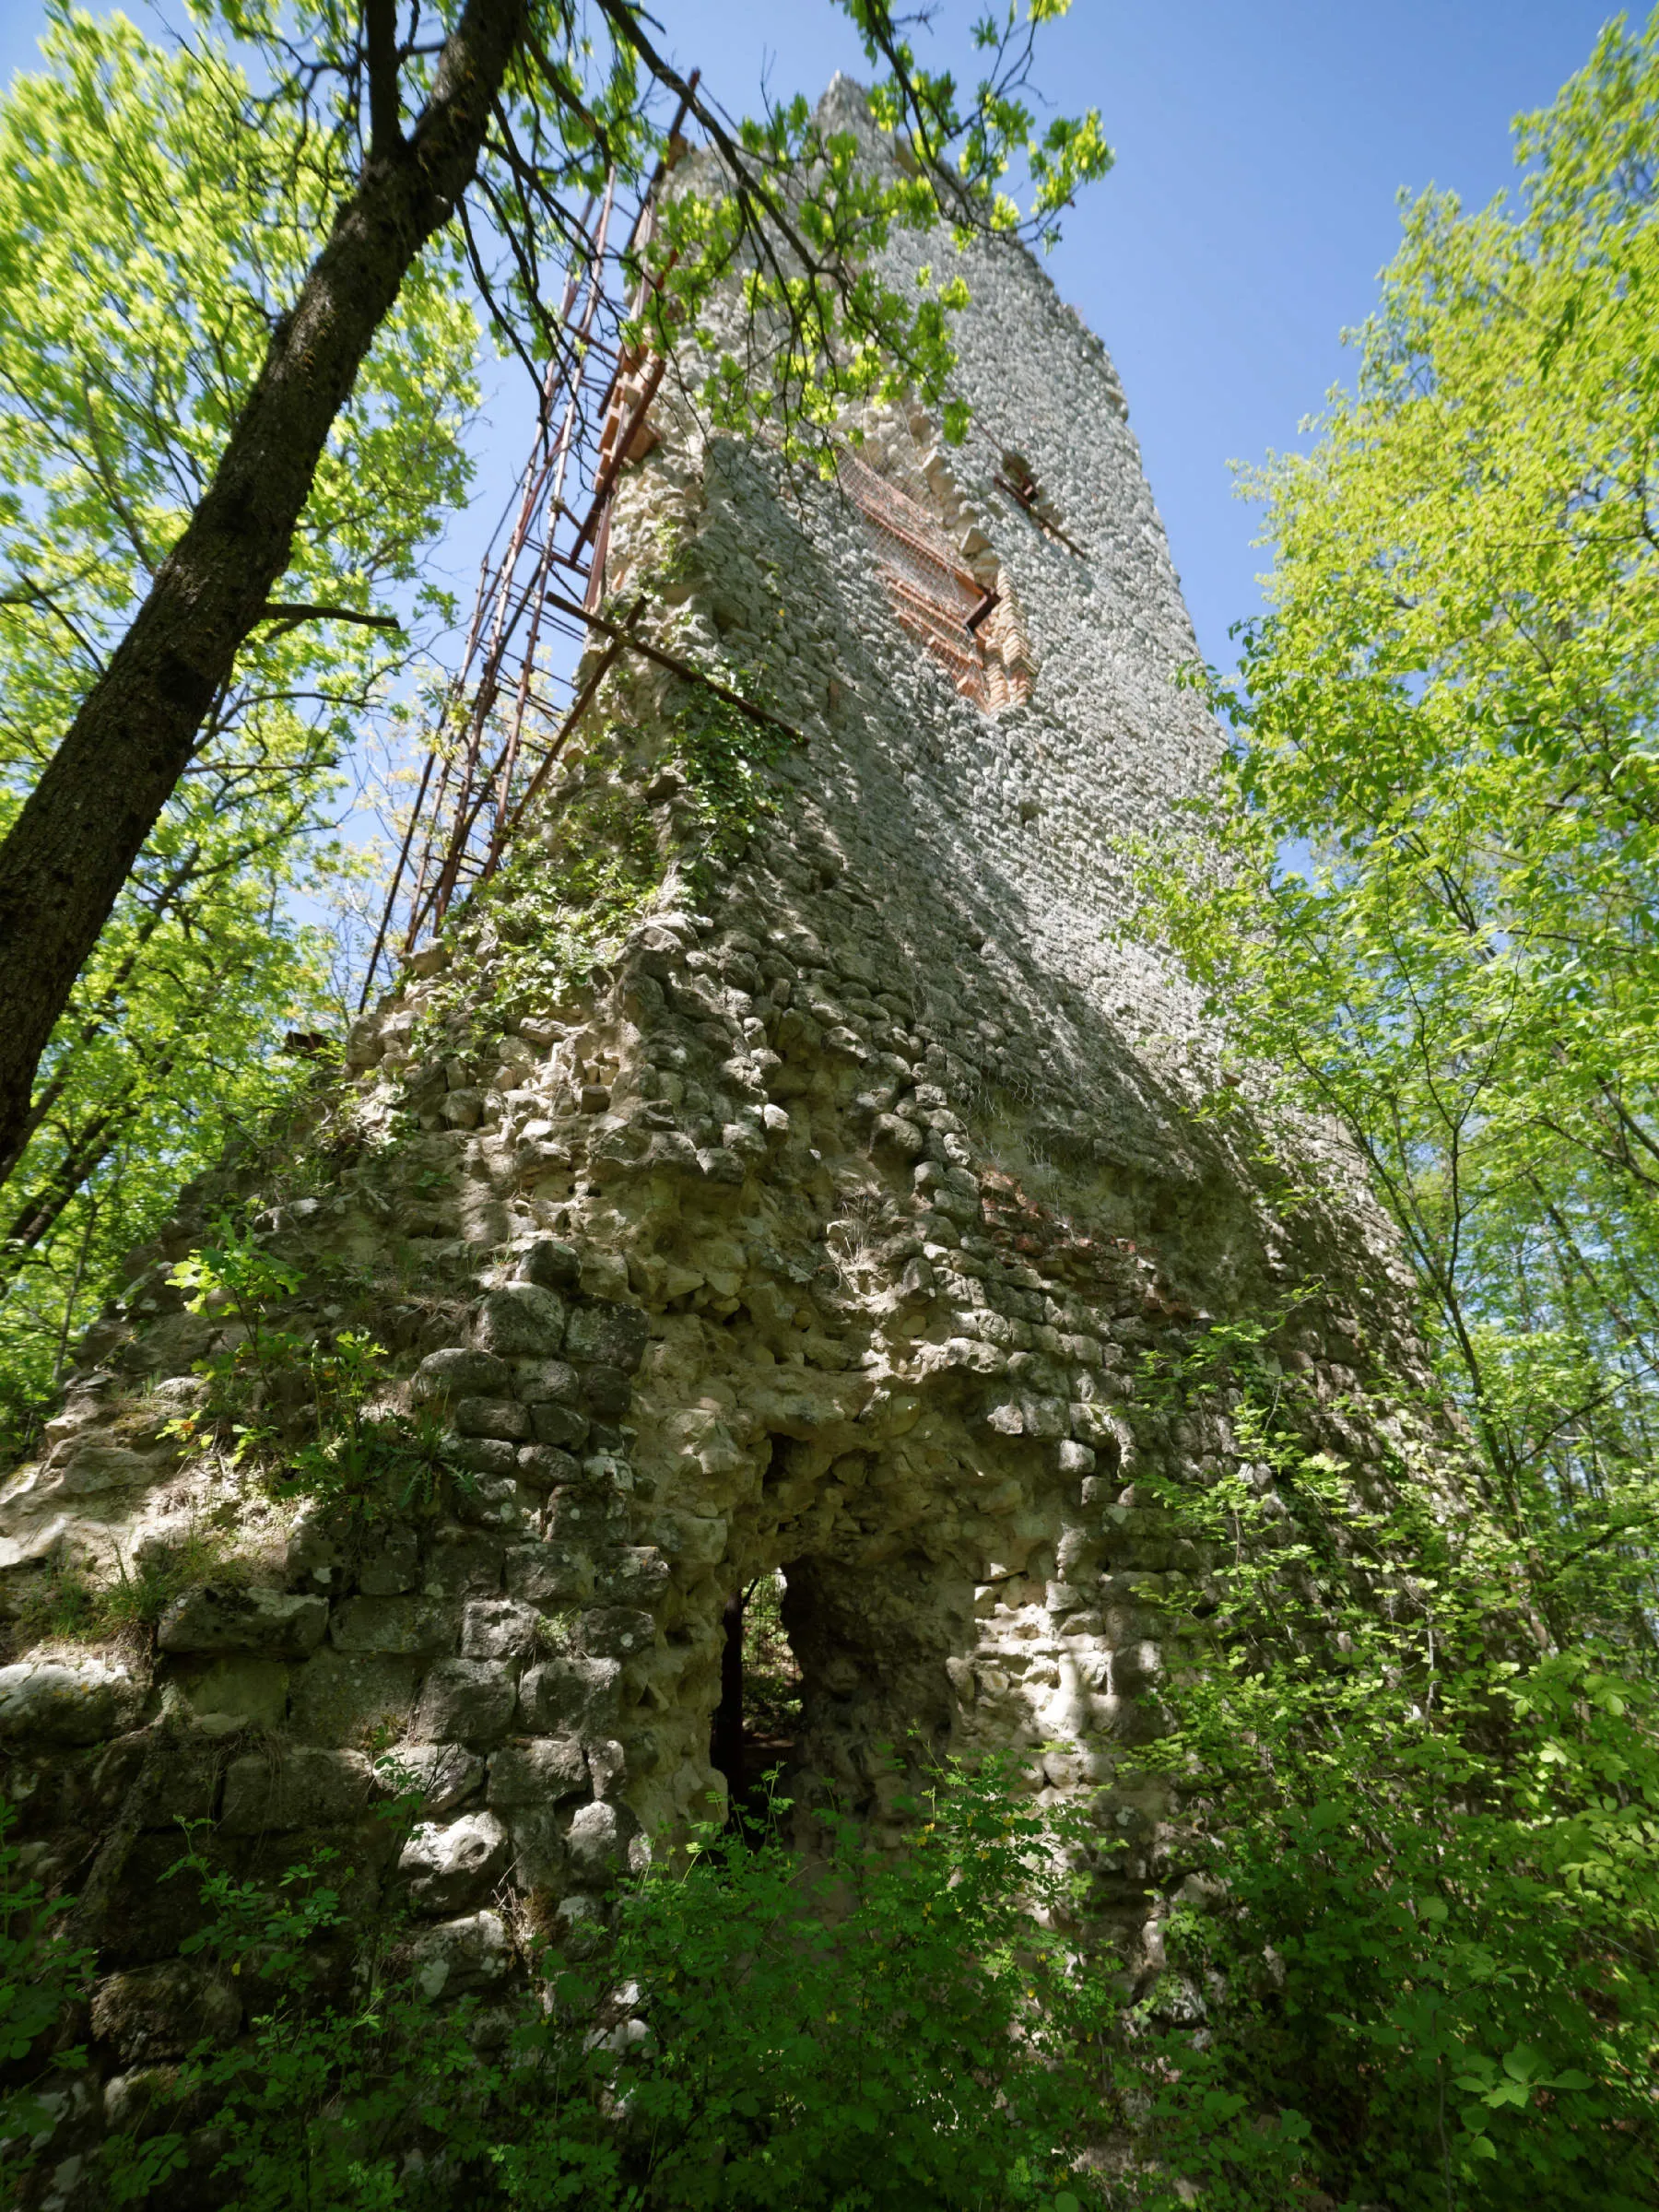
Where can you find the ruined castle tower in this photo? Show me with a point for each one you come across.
(822, 1203)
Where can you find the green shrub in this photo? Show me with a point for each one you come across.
(42, 1972)
(862, 2030)
(1422, 1965)
(880, 2029)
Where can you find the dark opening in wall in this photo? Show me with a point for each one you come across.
(757, 1724)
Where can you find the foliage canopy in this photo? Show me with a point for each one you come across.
(1438, 907)
(147, 240)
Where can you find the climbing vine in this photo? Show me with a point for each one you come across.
(579, 876)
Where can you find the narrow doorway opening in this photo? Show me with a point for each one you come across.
(755, 1735)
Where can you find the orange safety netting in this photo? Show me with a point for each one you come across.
(932, 592)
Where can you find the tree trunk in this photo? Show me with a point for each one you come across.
(70, 850)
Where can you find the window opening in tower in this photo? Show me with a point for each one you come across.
(757, 1721)
(936, 595)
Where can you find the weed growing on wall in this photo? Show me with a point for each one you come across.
(294, 1405)
(67, 1605)
(727, 758)
(546, 925)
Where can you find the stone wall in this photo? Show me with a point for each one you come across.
(834, 1223)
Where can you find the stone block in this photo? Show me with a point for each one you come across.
(390, 1565)
(550, 1264)
(972, 1357)
(538, 1772)
(608, 1764)
(937, 1180)
(1046, 1418)
(452, 1865)
(463, 1562)
(314, 1551)
(472, 1955)
(457, 1372)
(304, 1788)
(340, 1698)
(502, 1418)
(522, 1321)
(546, 1467)
(539, 1847)
(585, 1519)
(611, 1334)
(1134, 1665)
(559, 1426)
(465, 1702)
(66, 1700)
(161, 2012)
(89, 1467)
(216, 1618)
(578, 1694)
(1074, 1556)
(616, 1632)
(184, 1771)
(607, 1393)
(594, 1843)
(238, 1687)
(392, 1624)
(549, 1574)
(481, 1456)
(1077, 1459)
(499, 1627)
(695, 1540)
(603, 1275)
(635, 1574)
(1092, 1422)
(891, 1133)
(443, 1775)
(497, 1501)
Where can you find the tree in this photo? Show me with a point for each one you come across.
(515, 109)
(145, 242)
(1440, 917)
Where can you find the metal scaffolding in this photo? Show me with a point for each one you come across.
(512, 702)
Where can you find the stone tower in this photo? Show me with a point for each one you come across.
(786, 1165)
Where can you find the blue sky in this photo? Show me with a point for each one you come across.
(1261, 145)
